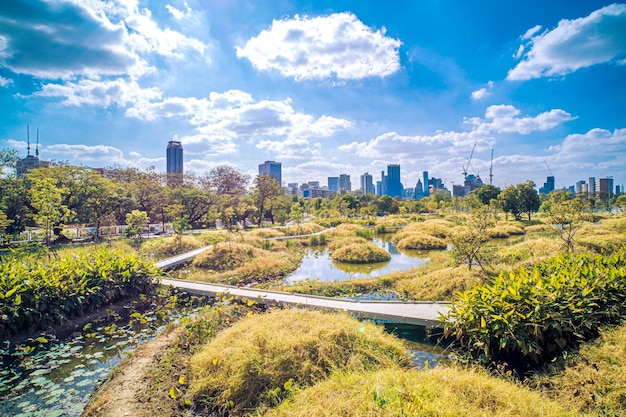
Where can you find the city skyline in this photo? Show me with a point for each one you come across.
(327, 88)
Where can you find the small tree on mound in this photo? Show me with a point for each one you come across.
(469, 240)
(568, 214)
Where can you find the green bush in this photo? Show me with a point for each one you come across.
(35, 295)
(531, 316)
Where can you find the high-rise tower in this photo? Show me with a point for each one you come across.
(174, 155)
(271, 169)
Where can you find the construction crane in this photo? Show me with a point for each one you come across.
(551, 174)
(491, 169)
(465, 168)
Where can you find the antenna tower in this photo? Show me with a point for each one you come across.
(28, 139)
(37, 147)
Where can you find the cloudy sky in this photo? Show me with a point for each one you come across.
(325, 87)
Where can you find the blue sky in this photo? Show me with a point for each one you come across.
(325, 87)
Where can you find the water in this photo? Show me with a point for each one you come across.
(57, 378)
(317, 264)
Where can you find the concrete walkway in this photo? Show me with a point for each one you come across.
(425, 314)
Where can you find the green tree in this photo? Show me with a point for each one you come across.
(265, 188)
(47, 200)
(487, 193)
(529, 199)
(469, 239)
(8, 161)
(137, 223)
(567, 214)
(296, 213)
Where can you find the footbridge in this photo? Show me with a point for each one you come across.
(427, 314)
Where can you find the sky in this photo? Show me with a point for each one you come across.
(324, 87)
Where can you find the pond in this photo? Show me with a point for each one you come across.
(317, 264)
(58, 376)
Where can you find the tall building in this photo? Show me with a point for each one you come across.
(271, 169)
(344, 183)
(579, 186)
(367, 184)
(174, 155)
(548, 186)
(333, 184)
(604, 188)
(591, 187)
(31, 161)
(394, 184)
(426, 183)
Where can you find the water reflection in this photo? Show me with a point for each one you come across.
(317, 264)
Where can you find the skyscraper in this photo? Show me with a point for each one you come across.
(333, 184)
(344, 182)
(174, 155)
(426, 184)
(367, 184)
(271, 169)
(394, 185)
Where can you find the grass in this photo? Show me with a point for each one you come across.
(441, 284)
(424, 236)
(260, 360)
(360, 253)
(165, 247)
(421, 241)
(443, 391)
(594, 380)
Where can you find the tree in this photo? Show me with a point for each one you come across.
(225, 179)
(567, 214)
(47, 199)
(137, 222)
(520, 198)
(486, 193)
(8, 161)
(297, 213)
(469, 239)
(265, 188)
(194, 203)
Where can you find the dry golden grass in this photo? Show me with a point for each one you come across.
(360, 253)
(502, 230)
(302, 229)
(160, 248)
(616, 224)
(525, 253)
(260, 360)
(440, 284)
(344, 230)
(443, 391)
(437, 228)
(541, 230)
(225, 256)
(421, 241)
(265, 233)
(594, 381)
(338, 242)
(213, 236)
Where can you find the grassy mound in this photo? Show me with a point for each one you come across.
(441, 284)
(168, 246)
(421, 241)
(435, 392)
(505, 230)
(225, 256)
(338, 242)
(302, 229)
(360, 253)
(261, 359)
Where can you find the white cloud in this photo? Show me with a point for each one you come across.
(291, 148)
(96, 156)
(85, 38)
(336, 46)
(504, 118)
(5, 82)
(117, 92)
(574, 44)
(176, 13)
(530, 32)
(482, 92)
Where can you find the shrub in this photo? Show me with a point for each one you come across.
(530, 316)
(360, 253)
(213, 237)
(450, 391)
(262, 359)
(34, 294)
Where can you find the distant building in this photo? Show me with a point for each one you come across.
(591, 187)
(271, 169)
(426, 183)
(579, 186)
(333, 184)
(367, 184)
(604, 188)
(292, 188)
(344, 183)
(174, 155)
(548, 186)
(393, 182)
(419, 190)
(30, 162)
